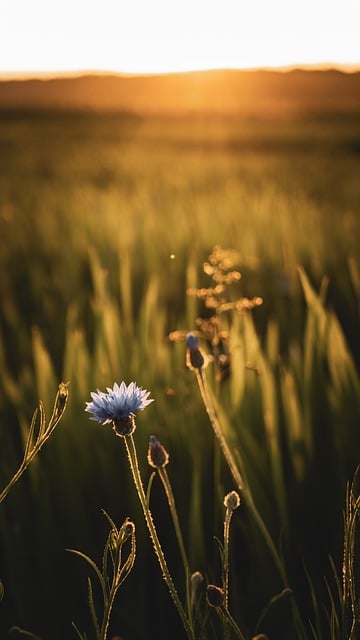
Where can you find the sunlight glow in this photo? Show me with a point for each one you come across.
(137, 36)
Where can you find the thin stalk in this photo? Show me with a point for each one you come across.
(131, 451)
(245, 491)
(171, 501)
(349, 577)
(15, 478)
(109, 606)
(35, 443)
(227, 520)
(230, 620)
(22, 633)
(201, 379)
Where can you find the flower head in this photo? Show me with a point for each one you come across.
(118, 406)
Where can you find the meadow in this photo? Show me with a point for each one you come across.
(106, 223)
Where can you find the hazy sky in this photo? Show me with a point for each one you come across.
(137, 36)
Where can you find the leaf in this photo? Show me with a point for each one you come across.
(93, 565)
(30, 437)
(92, 608)
(220, 547)
(108, 550)
(337, 580)
(42, 427)
(334, 620)
(80, 635)
(148, 490)
(110, 520)
(128, 565)
(316, 626)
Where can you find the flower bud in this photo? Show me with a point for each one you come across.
(232, 500)
(127, 529)
(215, 596)
(196, 579)
(194, 357)
(157, 454)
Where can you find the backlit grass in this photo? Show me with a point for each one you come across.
(105, 223)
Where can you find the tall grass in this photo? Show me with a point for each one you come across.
(105, 224)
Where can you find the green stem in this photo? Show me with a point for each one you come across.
(109, 606)
(33, 448)
(13, 480)
(171, 501)
(201, 379)
(228, 617)
(245, 491)
(131, 451)
(227, 520)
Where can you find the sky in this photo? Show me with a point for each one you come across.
(156, 36)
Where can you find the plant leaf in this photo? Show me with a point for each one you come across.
(148, 490)
(80, 635)
(92, 608)
(94, 566)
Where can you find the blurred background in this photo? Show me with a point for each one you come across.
(114, 190)
(106, 220)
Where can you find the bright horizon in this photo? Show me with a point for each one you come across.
(141, 37)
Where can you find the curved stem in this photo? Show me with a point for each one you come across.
(201, 379)
(171, 501)
(131, 451)
(245, 490)
(228, 617)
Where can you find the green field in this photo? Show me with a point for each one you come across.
(105, 223)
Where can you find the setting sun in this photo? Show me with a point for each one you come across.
(158, 36)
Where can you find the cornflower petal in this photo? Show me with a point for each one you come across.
(119, 403)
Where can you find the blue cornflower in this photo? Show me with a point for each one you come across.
(118, 406)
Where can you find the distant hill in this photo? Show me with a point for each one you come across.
(257, 93)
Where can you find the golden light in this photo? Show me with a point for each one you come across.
(138, 36)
